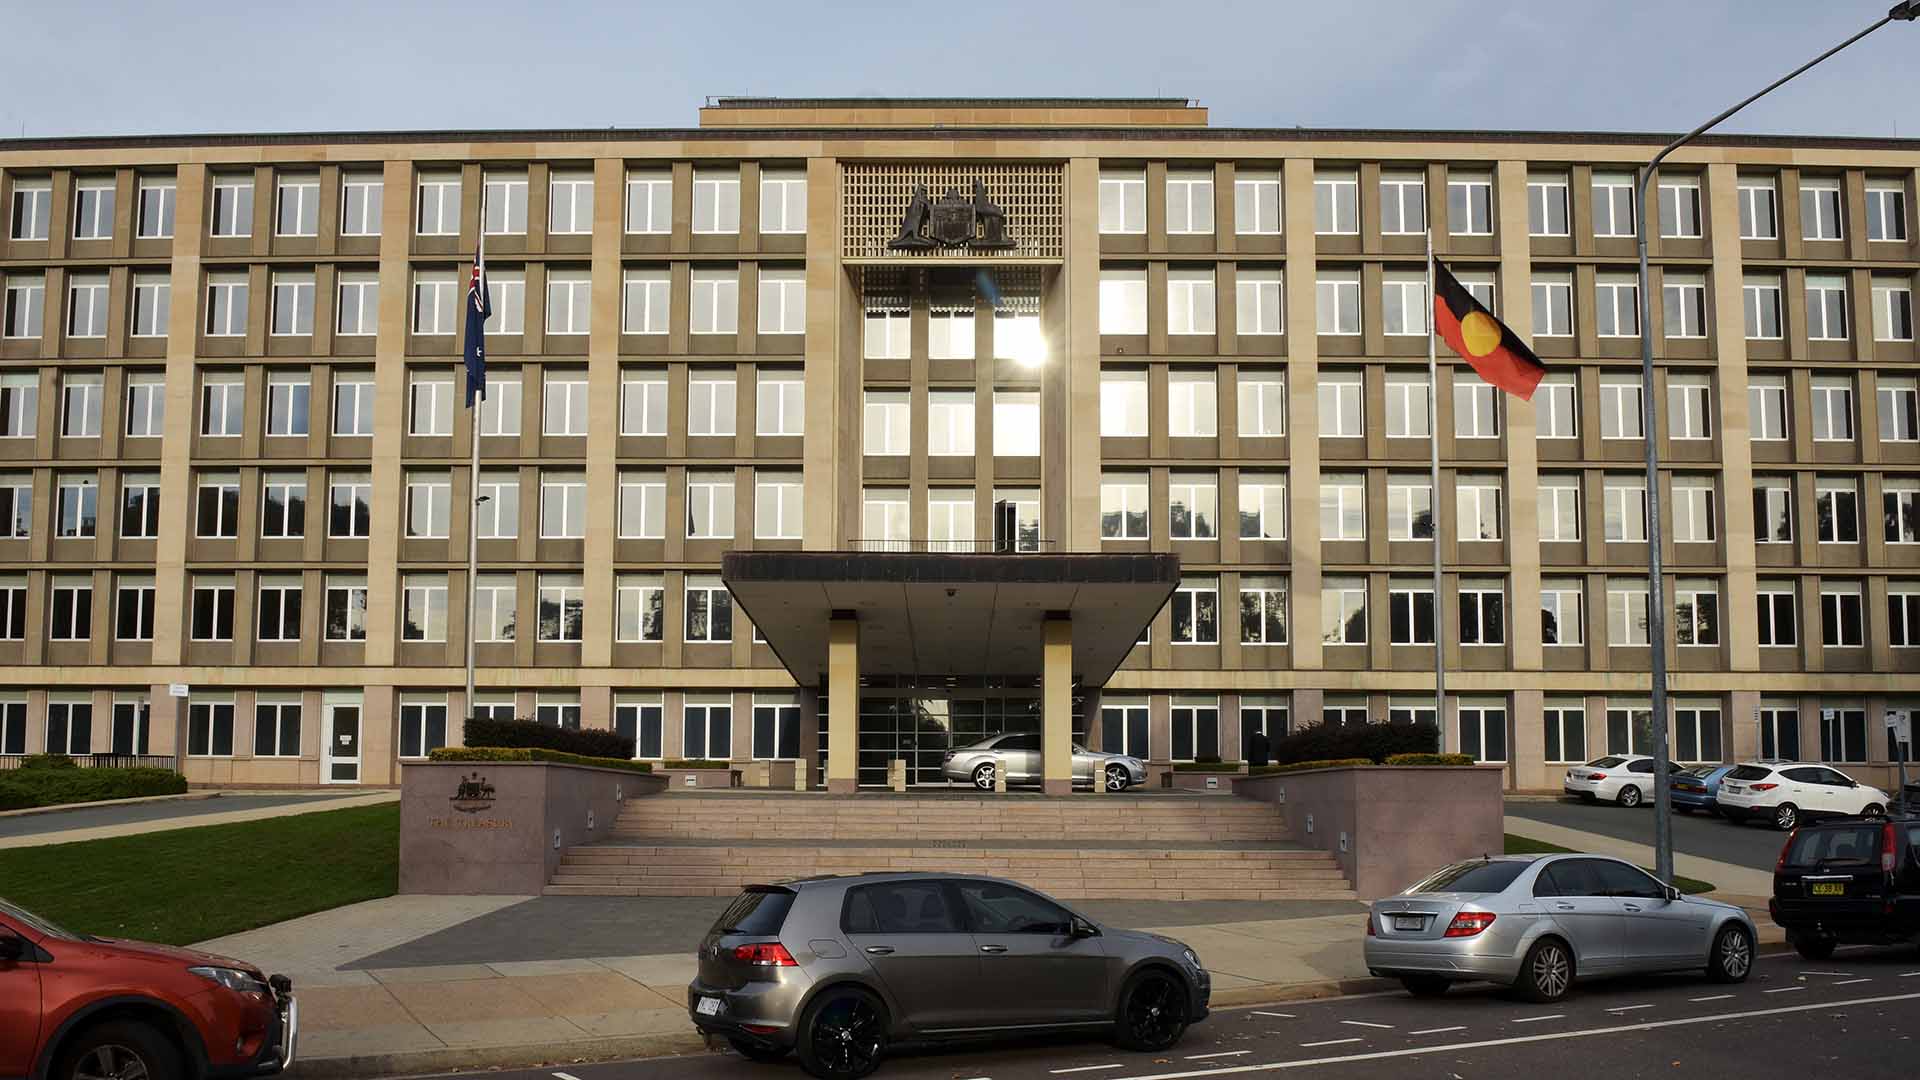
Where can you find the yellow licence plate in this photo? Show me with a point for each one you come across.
(1829, 888)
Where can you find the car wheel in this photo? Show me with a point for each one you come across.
(754, 1051)
(983, 776)
(1786, 816)
(1153, 1012)
(1117, 778)
(1425, 986)
(119, 1050)
(1629, 796)
(843, 1035)
(1547, 973)
(1814, 946)
(1732, 957)
(1874, 810)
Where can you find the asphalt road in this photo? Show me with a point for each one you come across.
(133, 813)
(1853, 1016)
(1753, 846)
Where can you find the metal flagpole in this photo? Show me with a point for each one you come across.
(473, 479)
(1433, 501)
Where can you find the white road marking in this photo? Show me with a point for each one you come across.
(1436, 1031)
(1909, 974)
(1850, 982)
(1514, 1040)
(1289, 1016)
(1363, 1023)
(1537, 1019)
(1087, 1068)
(1329, 1042)
(1784, 990)
(1221, 1054)
(1713, 997)
(1628, 1008)
(566, 1076)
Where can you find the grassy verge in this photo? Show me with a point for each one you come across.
(188, 885)
(1521, 845)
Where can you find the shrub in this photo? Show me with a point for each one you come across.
(533, 753)
(1302, 766)
(1375, 742)
(588, 742)
(698, 763)
(48, 761)
(56, 785)
(1206, 765)
(1430, 759)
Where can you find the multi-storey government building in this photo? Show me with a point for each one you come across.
(761, 389)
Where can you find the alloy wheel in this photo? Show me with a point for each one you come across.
(983, 777)
(846, 1036)
(1736, 954)
(1154, 1014)
(110, 1061)
(1552, 973)
(1785, 817)
(1116, 778)
(1630, 796)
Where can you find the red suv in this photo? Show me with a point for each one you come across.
(75, 1007)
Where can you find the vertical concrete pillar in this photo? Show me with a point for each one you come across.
(176, 474)
(1303, 412)
(843, 703)
(603, 415)
(1056, 705)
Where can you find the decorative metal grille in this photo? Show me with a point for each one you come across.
(874, 196)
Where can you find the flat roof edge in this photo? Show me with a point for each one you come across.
(756, 567)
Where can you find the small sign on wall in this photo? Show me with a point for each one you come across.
(178, 689)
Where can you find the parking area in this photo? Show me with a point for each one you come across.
(1753, 846)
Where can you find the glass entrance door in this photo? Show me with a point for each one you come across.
(129, 727)
(920, 728)
(342, 764)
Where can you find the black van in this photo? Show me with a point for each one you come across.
(1848, 881)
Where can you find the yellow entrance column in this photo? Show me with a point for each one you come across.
(843, 703)
(1056, 705)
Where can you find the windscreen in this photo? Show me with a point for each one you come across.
(757, 912)
(1481, 877)
(1750, 772)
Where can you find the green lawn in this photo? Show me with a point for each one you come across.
(1520, 845)
(188, 885)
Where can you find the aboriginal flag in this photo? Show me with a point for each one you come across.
(1486, 343)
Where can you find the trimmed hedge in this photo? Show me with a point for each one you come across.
(56, 785)
(533, 753)
(698, 763)
(1375, 742)
(1215, 765)
(1430, 759)
(1302, 766)
(587, 742)
(48, 761)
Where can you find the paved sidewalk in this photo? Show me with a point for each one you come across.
(94, 821)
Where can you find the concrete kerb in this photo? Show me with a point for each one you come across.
(189, 796)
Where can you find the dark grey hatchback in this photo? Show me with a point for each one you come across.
(837, 969)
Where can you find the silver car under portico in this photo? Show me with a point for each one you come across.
(1539, 923)
(1020, 754)
(837, 969)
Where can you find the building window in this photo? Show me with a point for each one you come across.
(346, 607)
(643, 402)
(777, 505)
(1476, 408)
(1403, 203)
(1773, 510)
(423, 726)
(1624, 510)
(709, 610)
(887, 327)
(497, 509)
(1016, 423)
(153, 218)
(76, 507)
(1886, 210)
(1483, 731)
(1124, 726)
(1759, 212)
(1620, 416)
(1836, 503)
(1557, 407)
(1826, 307)
(1696, 612)
(70, 606)
(1196, 612)
(716, 301)
(1563, 619)
(710, 403)
(360, 203)
(1843, 735)
(439, 204)
(500, 409)
(87, 306)
(1778, 625)
(283, 506)
(80, 394)
(1190, 302)
(210, 729)
(569, 306)
(507, 297)
(1189, 202)
(1483, 612)
(359, 304)
(292, 304)
(1559, 508)
(1626, 611)
(561, 711)
(1336, 203)
(950, 519)
(562, 608)
(1693, 510)
(212, 618)
(495, 606)
(226, 305)
(1617, 307)
(1477, 499)
(1819, 209)
(884, 518)
(1680, 208)
(1547, 204)
(423, 610)
(434, 310)
(641, 722)
(563, 505)
(429, 505)
(1344, 711)
(32, 209)
(1410, 613)
(707, 731)
(563, 402)
(640, 608)
(139, 506)
(1553, 306)
(776, 729)
(1262, 405)
(353, 403)
(217, 507)
(950, 423)
(1263, 505)
(716, 200)
(1340, 399)
(1192, 505)
(570, 203)
(710, 505)
(1612, 204)
(783, 201)
(1892, 310)
(1566, 728)
(783, 301)
(1696, 733)
(279, 615)
(133, 609)
(1842, 616)
(1123, 301)
(1903, 614)
(779, 401)
(1123, 201)
(1123, 403)
(887, 423)
(289, 395)
(1761, 296)
(13, 607)
(1123, 506)
(1259, 303)
(1470, 205)
(1900, 503)
(1343, 507)
(1899, 409)
(430, 404)
(1403, 304)
(349, 511)
(152, 305)
(649, 202)
(1337, 302)
(1683, 299)
(26, 306)
(1779, 732)
(1191, 404)
(1343, 611)
(1195, 728)
(1256, 202)
(297, 205)
(1767, 407)
(1833, 408)
(232, 206)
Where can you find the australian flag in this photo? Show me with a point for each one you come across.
(479, 310)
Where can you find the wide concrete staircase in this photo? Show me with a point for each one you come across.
(1121, 847)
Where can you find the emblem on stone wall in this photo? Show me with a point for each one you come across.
(473, 795)
(955, 220)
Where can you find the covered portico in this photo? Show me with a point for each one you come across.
(835, 617)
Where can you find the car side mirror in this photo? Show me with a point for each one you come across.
(1671, 893)
(1084, 929)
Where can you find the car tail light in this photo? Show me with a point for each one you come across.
(1761, 787)
(1469, 923)
(1780, 864)
(1887, 851)
(1597, 776)
(764, 954)
(1370, 932)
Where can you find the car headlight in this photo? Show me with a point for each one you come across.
(231, 978)
(1191, 959)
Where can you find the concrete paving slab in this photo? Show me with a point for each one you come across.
(664, 970)
(602, 991)
(344, 1008)
(436, 973)
(633, 1022)
(513, 968)
(325, 1043)
(328, 940)
(462, 1000)
(506, 1031)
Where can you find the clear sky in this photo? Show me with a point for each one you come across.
(151, 66)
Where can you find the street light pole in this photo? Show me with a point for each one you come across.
(1905, 11)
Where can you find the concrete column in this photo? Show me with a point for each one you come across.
(176, 473)
(1079, 353)
(1056, 705)
(1736, 426)
(828, 426)
(1523, 475)
(843, 704)
(603, 412)
(1303, 412)
(389, 415)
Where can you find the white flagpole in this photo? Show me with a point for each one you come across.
(1433, 443)
(473, 478)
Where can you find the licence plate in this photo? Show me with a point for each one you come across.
(1734, 788)
(709, 1006)
(1409, 922)
(1829, 888)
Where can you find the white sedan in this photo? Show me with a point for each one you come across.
(1626, 779)
(1786, 793)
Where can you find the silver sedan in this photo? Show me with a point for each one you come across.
(1019, 753)
(1539, 923)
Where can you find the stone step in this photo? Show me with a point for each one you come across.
(1089, 892)
(728, 856)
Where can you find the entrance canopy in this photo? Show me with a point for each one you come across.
(952, 614)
